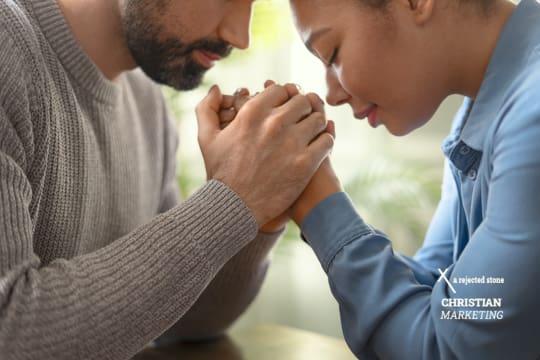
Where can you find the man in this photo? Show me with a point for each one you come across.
(88, 269)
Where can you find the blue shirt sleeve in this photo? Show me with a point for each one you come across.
(387, 313)
(437, 251)
(388, 309)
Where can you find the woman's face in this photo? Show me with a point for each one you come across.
(381, 63)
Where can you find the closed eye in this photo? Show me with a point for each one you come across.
(333, 57)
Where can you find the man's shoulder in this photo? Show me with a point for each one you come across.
(18, 64)
(17, 38)
(15, 20)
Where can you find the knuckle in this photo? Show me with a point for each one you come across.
(274, 124)
(304, 162)
(292, 89)
(328, 141)
(320, 120)
(316, 102)
(279, 89)
(316, 122)
(303, 100)
(300, 164)
(249, 107)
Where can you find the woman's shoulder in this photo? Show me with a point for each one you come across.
(522, 96)
(517, 122)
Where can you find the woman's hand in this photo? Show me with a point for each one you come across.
(284, 162)
(230, 107)
(233, 103)
(323, 184)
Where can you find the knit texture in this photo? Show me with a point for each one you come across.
(88, 269)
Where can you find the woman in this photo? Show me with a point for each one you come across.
(470, 291)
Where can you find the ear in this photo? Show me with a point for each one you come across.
(421, 10)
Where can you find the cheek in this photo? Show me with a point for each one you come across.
(355, 80)
(194, 23)
(405, 116)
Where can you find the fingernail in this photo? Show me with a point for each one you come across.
(241, 92)
(212, 88)
(268, 83)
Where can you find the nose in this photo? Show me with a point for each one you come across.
(336, 95)
(236, 24)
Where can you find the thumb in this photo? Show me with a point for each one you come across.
(207, 112)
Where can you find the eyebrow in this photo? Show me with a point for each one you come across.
(314, 36)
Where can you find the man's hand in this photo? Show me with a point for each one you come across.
(230, 106)
(270, 151)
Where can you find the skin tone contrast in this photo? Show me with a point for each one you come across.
(175, 43)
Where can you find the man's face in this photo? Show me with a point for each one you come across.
(176, 42)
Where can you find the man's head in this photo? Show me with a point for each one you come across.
(176, 42)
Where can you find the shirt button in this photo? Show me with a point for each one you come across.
(472, 174)
(464, 150)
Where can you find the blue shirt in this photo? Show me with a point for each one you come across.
(484, 237)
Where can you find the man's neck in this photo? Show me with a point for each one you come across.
(96, 24)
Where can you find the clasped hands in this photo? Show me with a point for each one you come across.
(271, 148)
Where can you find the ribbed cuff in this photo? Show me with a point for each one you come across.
(229, 224)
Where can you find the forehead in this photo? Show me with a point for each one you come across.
(319, 16)
(312, 14)
(306, 11)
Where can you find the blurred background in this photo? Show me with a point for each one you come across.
(394, 182)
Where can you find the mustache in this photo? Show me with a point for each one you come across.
(219, 47)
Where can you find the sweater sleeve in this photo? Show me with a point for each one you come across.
(109, 303)
(237, 283)
(228, 295)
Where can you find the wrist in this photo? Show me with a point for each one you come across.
(304, 206)
(317, 190)
(323, 184)
(276, 225)
(270, 229)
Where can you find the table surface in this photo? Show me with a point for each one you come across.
(263, 342)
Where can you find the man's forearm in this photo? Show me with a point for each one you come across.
(227, 296)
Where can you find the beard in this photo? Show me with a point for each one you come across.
(166, 60)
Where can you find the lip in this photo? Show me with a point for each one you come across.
(205, 58)
(372, 117)
(370, 113)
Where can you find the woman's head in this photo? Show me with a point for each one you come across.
(388, 58)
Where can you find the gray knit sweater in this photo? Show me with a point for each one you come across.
(88, 269)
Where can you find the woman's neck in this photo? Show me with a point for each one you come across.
(473, 42)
